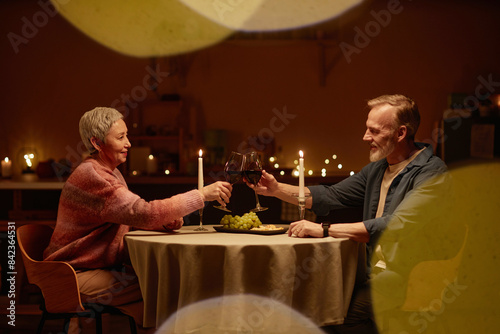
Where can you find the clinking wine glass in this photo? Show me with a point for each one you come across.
(253, 173)
(233, 172)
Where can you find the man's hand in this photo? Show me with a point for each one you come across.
(267, 186)
(219, 191)
(354, 231)
(305, 228)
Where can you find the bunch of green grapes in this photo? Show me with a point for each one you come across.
(246, 222)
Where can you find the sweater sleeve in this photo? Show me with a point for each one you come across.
(121, 206)
(125, 207)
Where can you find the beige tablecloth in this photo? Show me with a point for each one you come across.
(314, 276)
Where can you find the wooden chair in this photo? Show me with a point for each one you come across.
(57, 281)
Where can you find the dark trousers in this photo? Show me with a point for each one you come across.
(360, 317)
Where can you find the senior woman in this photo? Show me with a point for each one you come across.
(96, 210)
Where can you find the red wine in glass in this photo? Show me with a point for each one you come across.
(253, 176)
(232, 176)
(253, 173)
(232, 172)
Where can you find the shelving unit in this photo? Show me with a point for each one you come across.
(169, 150)
(154, 130)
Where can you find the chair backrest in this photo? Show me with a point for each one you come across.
(428, 281)
(57, 280)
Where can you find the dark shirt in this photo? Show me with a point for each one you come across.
(363, 190)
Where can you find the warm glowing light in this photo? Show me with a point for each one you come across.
(301, 154)
(260, 15)
(276, 165)
(167, 172)
(296, 162)
(272, 159)
(134, 173)
(339, 166)
(351, 173)
(151, 157)
(150, 28)
(334, 156)
(6, 159)
(282, 173)
(295, 173)
(28, 157)
(200, 153)
(310, 172)
(327, 161)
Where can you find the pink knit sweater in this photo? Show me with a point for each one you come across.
(96, 210)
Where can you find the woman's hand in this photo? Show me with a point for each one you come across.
(267, 186)
(219, 191)
(175, 225)
(305, 228)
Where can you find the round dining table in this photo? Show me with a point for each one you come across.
(313, 276)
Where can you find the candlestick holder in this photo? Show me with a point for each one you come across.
(201, 228)
(302, 204)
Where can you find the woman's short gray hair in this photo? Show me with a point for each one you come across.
(96, 123)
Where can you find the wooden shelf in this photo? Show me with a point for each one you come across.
(154, 125)
(140, 137)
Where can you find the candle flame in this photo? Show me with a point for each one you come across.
(6, 159)
(201, 152)
(301, 154)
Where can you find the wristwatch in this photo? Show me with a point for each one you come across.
(326, 226)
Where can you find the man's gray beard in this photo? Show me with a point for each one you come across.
(383, 152)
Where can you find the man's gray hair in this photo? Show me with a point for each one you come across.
(407, 113)
(96, 123)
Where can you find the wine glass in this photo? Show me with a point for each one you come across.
(253, 173)
(201, 228)
(232, 172)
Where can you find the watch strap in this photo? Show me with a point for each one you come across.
(326, 226)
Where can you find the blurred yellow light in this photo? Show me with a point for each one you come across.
(146, 28)
(339, 166)
(327, 161)
(260, 15)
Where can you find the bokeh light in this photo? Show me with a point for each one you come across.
(145, 28)
(153, 28)
(270, 15)
(443, 259)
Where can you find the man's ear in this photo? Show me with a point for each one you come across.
(96, 143)
(402, 132)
